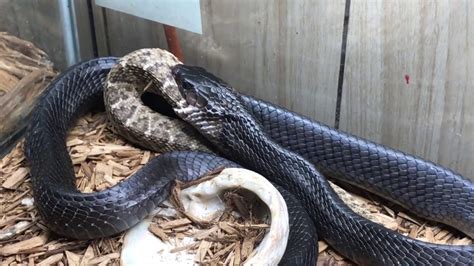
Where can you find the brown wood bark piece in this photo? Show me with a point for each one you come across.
(23, 245)
(25, 71)
(16, 178)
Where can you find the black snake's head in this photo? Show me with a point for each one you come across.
(208, 103)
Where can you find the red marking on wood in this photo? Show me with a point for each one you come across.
(407, 79)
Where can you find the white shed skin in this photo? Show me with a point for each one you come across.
(203, 202)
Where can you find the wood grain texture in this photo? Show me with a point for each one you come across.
(407, 81)
(127, 33)
(284, 52)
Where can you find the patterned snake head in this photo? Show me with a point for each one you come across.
(209, 104)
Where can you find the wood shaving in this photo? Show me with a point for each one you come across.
(25, 70)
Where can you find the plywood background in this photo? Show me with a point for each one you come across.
(408, 81)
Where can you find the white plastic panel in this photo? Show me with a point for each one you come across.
(184, 14)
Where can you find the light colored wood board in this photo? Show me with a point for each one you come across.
(36, 21)
(457, 135)
(431, 42)
(284, 52)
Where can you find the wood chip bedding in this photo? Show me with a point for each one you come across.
(102, 159)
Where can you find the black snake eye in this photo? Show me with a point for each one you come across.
(201, 102)
(191, 98)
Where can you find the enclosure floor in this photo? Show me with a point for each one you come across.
(102, 159)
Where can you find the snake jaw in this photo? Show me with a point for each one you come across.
(183, 109)
(182, 104)
(170, 92)
(207, 126)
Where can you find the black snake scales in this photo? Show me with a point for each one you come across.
(71, 213)
(216, 110)
(425, 188)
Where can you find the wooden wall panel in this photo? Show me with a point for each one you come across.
(285, 53)
(127, 33)
(408, 79)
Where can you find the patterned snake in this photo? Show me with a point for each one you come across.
(284, 146)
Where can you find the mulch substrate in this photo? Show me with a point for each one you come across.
(102, 159)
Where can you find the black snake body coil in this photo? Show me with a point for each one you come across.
(220, 115)
(425, 188)
(71, 213)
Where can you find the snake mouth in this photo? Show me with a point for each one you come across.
(184, 110)
(166, 98)
(178, 101)
(158, 103)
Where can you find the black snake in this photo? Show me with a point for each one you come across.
(249, 127)
(71, 213)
